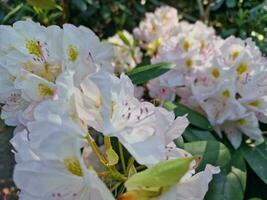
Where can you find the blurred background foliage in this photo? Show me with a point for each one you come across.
(243, 18)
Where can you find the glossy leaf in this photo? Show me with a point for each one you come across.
(257, 159)
(193, 134)
(194, 117)
(142, 74)
(229, 184)
(212, 152)
(231, 3)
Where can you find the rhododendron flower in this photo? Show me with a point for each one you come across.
(183, 188)
(33, 60)
(62, 176)
(215, 77)
(108, 104)
(126, 53)
(159, 24)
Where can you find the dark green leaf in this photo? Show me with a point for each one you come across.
(217, 4)
(212, 152)
(80, 4)
(225, 186)
(193, 134)
(231, 3)
(257, 159)
(145, 73)
(179, 142)
(6, 157)
(229, 185)
(194, 118)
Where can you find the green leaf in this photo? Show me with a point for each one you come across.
(257, 159)
(162, 175)
(217, 5)
(80, 5)
(193, 134)
(194, 118)
(145, 73)
(43, 4)
(231, 3)
(179, 142)
(229, 184)
(225, 186)
(212, 152)
(6, 156)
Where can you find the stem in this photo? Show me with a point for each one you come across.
(107, 142)
(115, 187)
(95, 148)
(201, 8)
(112, 169)
(122, 158)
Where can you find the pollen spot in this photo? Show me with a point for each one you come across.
(226, 93)
(12, 78)
(73, 166)
(256, 103)
(72, 53)
(242, 122)
(98, 102)
(189, 63)
(34, 48)
(215, 73)
(242, 68)
(186, 45)
(45, 90)
(234, 55)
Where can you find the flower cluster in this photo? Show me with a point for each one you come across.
(225, 79)
(126, 53)
(56, 85)
(33, 58)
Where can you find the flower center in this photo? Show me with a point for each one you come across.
(234, 55)
(72, 53)
(45, 90)
(73, 166)
(226, 93)
(215, 73)
(242, 68)
(186, 45)
(34, 48)
(255, 103)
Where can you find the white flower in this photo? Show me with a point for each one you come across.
(246, 124)
(108, 104)
(214, 76)
(157, 90)
(191, 186)
(32, 61)
(84, 53)
(126, 53)
(53, 167)
(157, 25)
